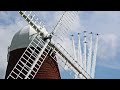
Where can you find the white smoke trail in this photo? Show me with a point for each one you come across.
(79, 53)
(84, 54)
(74, 50)
(89, 55)
(94, 59)
(75, 57)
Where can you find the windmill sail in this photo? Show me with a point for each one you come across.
(65, 25)
(43, 47)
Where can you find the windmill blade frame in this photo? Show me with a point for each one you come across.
(46, 38)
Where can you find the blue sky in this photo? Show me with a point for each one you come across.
(107, 23)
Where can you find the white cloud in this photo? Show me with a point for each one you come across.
(108, 46)
(103, 22)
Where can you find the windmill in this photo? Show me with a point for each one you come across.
(42, 45)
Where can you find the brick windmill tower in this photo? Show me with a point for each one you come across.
(20, 41)
(34, 55)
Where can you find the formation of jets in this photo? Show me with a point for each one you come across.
(90, 33)
(86, 36)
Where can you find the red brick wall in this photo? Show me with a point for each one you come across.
(49, 69)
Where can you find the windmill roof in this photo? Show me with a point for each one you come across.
(22, 38)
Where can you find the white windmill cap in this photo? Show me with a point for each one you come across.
(22, 38)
